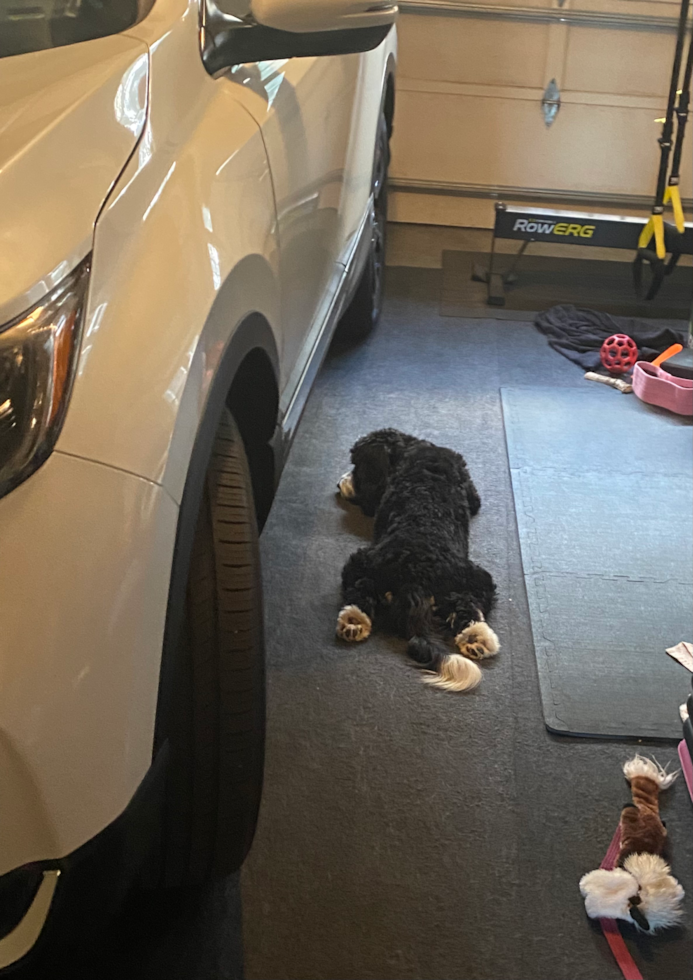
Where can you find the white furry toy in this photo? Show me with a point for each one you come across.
(640, 889)
(642, 892)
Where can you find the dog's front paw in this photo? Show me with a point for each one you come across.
(353, 624)
(346, 486)
(477, 641)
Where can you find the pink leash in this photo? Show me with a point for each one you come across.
(686, 766)
(610, 929)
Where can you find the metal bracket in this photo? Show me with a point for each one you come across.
(551, 102)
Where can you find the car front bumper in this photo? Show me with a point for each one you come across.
(86, 553)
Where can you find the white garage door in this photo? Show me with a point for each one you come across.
(470, 126)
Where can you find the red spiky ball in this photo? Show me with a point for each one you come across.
(619, 353)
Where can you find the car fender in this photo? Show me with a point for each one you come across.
(185, 249)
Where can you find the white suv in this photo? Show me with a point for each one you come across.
(192, 196)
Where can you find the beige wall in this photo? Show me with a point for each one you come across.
(469, 127)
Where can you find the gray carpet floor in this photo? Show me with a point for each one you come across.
(409, 833)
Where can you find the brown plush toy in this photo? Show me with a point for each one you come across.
(642, 831)
(640, 889)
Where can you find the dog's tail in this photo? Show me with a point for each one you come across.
(449, 671)
(453, 672)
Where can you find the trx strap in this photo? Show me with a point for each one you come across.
(672, 195)
(667, 237)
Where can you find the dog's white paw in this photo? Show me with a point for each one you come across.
(353, 624)
(477, 641)
(346, 486)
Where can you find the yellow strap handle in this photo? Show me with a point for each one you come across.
(672, 195)
(655, 226)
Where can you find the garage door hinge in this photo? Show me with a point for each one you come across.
(551, 102)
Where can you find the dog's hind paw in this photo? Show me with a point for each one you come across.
(353, 624)
(477, 641)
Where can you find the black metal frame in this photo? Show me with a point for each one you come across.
(558, 227)
(667, 236)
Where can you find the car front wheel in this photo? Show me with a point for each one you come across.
(215, 719)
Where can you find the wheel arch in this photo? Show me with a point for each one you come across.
(253, 400)
(248, 369)
(389, 95)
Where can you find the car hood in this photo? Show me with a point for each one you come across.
(69, 119)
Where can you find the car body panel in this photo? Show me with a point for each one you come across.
(304, 107)
(185, 247)
(79, 678)
(145, 354)
(371, 79)
(191, 244)
(69, 119)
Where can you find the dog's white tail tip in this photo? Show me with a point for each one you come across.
(455, 673)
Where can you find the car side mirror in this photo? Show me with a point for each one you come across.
(274, 29)
(310, 16)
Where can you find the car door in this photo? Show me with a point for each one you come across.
(358, 169)
(305, 108)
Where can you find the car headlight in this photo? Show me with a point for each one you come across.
(38, 353)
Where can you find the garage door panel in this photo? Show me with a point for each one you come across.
(631, 8)
(618, 62)
(435, 48)
(590, 148)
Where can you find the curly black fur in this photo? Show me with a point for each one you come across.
(416, 575)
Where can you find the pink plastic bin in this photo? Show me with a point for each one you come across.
(654, 386)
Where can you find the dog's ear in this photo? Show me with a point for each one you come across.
(371, 471)
(375, 457)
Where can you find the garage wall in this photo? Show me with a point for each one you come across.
(469, 125)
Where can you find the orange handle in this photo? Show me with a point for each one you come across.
(669, 352)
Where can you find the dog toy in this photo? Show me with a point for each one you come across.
(618, 353)
(618, 383)
(640, 889)
(669, 352)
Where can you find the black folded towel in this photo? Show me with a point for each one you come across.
(578, 334)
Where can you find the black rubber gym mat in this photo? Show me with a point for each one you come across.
(544, 281)
(602, 488)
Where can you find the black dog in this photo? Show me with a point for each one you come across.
(417, 574)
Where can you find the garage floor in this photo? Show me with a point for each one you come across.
(409, 833)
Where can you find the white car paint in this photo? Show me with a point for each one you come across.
(82, 619)
(69, 119)
(309, 15)
(224, 197)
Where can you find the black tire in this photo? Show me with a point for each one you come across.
(363, 312)
(215, 723)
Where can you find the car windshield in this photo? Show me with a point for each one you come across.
(33, 25)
